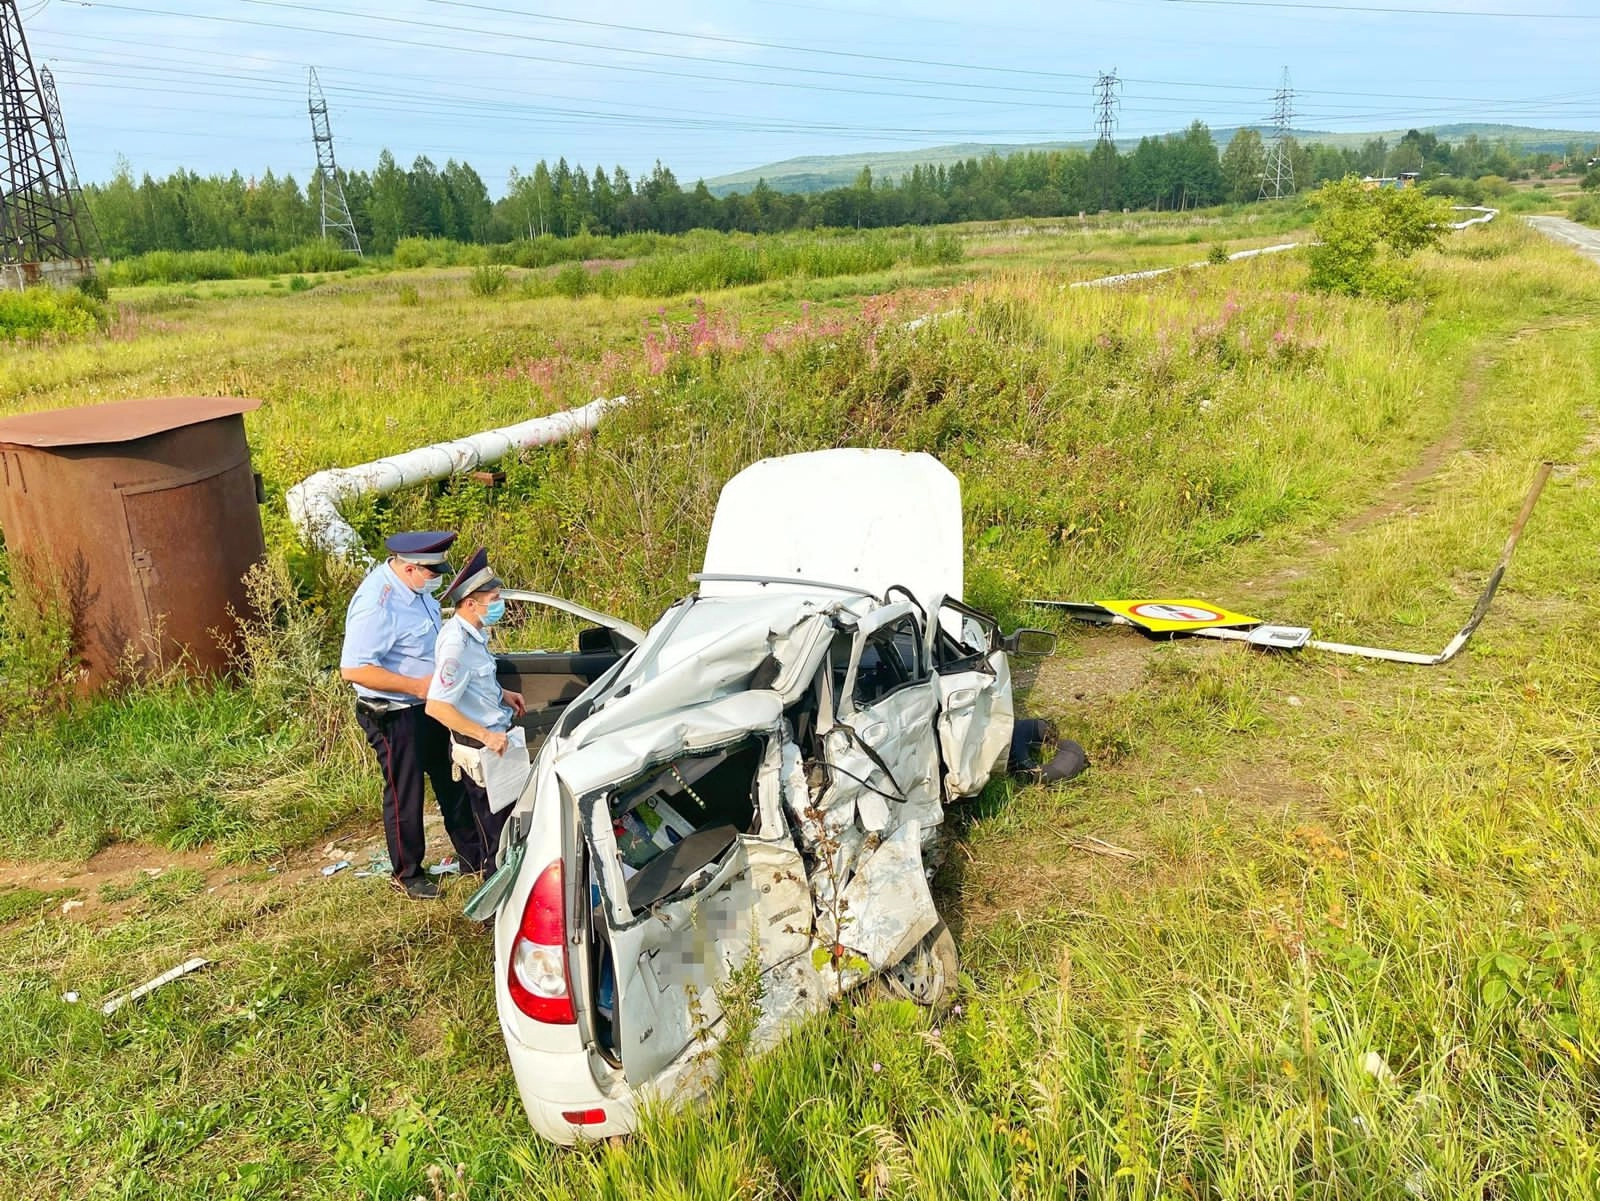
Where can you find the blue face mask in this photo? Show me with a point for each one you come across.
(494, 611)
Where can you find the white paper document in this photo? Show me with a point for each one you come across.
(505, 775)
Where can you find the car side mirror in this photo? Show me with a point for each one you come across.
(1033, 643)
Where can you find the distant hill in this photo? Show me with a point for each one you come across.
(818, 173)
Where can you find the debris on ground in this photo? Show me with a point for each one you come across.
(149, 986)
(377, 865)
(445, 867)
(335, 868)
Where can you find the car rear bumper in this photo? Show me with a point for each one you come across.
(554, 1085)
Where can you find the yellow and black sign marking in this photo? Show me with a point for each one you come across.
(1167, 616)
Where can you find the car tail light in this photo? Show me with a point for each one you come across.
(538, 975)
(584, 1117)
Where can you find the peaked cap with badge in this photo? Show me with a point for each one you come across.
(476, 576)
(425, 548)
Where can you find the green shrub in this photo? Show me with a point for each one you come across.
(36, 312)
(1365, 234)
(1217, 255)
(572, 280)
(300, 283)
(1468, 191)
(412, 252)
(94, 287)
(1586, 209)
(488, 280)
(36, 665)
(188, 266)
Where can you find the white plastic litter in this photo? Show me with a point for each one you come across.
(333, 868)
(149, 986)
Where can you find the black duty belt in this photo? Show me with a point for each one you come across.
(377, 707)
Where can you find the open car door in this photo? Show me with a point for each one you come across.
(551, 680)
(695, 871)
(976, 712)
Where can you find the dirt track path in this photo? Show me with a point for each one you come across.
(1114, 660)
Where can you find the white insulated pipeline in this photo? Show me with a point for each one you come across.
(314, 502)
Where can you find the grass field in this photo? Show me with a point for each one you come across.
(1310, 927)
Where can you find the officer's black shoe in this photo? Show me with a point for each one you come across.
(416, 888)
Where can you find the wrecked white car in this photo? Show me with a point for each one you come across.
(764, 773)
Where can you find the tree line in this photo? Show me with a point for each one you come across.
(187, 211)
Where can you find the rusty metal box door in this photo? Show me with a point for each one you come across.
(176, 534)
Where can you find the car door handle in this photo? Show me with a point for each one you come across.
(875, 731)
(961, 698)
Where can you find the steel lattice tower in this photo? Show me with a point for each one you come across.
(1105, 104)
(39, 220)
(335, 212)
(1277, 181)
(1103, 160)
(58, 130)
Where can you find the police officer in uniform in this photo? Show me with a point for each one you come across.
(465, 696)
(390, 630)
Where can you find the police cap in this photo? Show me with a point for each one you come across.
(425, 548)
(476, 576)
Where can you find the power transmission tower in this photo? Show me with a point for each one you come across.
(58, 130)
(1106, 89)
(1277, 181)
(1104, 157)
(40, 232)
(335, 212)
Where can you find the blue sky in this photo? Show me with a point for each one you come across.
(716, 86)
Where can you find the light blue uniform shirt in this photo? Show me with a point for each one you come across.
(390, 626)
(465, 675)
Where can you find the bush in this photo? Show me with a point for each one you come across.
(1587, 210)
(94, 288)
(188, 266)
(300, 283)
(1364, 235)
(37, 672)
(36, 312)
(412, 252)
(1217, 255)
(1468, 191)
(488, 280)
(1591, 180)
(572, 280)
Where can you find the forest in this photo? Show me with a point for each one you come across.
(187, 211)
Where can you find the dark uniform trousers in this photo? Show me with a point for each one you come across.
(410, 745)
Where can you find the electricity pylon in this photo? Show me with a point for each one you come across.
(335, 212)
(39, 218)
(1277, 181)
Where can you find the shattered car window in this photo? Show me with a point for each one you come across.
(689, 810)
(891, 658)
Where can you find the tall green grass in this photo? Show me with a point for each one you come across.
(1356, 953)
(188, 266)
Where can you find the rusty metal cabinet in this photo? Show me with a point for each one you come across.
(139, 518)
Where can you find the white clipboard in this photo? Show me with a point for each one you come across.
(506, 774)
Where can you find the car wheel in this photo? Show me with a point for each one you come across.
(927, 975)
